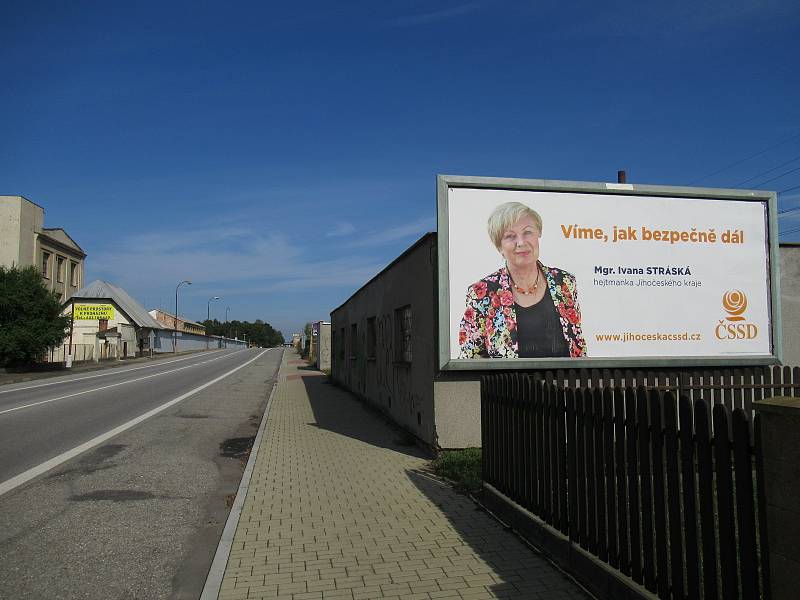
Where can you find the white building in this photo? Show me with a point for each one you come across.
(108, 323)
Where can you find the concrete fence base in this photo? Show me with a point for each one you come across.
(778, 422)
(603, 581)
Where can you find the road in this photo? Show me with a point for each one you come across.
(116, 483)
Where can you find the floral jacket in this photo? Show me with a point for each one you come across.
(489, 325)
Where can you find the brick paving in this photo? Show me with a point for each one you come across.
(339, 507)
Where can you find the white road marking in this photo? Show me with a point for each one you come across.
(111, 372)
(26, 476)
(112, 385)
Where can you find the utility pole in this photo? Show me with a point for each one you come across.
(175, 339)
(227, 332)
(208, 318)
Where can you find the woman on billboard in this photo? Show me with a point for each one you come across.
(525, 309)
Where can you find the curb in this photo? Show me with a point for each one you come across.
(8, 378)
(216, 573)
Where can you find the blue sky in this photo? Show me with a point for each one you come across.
(280, 154)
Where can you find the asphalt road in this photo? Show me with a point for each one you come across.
(139, 514)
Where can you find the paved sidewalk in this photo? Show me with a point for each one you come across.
(338, 507)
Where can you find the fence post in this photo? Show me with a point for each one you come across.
(778, 424)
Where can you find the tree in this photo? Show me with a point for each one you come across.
(30, 316)
(306, 349)
(259, 333)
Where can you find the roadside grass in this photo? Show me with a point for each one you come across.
(461, 467)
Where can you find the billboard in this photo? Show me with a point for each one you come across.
(93, 312)
(557, 274)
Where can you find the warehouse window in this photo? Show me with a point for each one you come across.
(371, 339)
(353, 341)
(403, 324)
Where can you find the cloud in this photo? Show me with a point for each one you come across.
(341, 229)
(260, 263)
(239, 260)
(393, 234)
(435, 16)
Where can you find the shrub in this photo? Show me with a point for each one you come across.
(462, 467)
(30, 316)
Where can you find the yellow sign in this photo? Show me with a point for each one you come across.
(94, 312)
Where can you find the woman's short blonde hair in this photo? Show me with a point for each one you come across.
(505, 215)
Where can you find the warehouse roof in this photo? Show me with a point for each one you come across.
(102, 290)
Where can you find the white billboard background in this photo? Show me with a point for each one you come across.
(639, 309)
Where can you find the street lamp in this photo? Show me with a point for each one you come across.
(208, 316)
(175, 338)
(227, 330)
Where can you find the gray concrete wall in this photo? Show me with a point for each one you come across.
(190, 341)
(324, 347)
(790, 303)
(403, 390)
(779, 422)
(443, 408)
(458, 410)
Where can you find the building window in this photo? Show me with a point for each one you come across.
(402, 319)
(60, 260)
(353, 340)
(340, 349)
(46, 265)
(371, 337)
(73, 274)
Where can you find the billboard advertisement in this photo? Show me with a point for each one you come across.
(570, 274)
(93, 312)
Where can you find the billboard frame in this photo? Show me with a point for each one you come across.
(445, 182)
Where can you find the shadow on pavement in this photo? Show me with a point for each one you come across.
(483, 546)
(359, 421)
(467, 544)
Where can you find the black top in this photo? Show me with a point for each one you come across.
(539, 333)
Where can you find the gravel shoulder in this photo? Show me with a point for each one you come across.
(139, 516)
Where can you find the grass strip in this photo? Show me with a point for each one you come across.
(461, 467)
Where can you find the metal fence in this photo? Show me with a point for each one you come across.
(663, 488)
(163, 343)
(80, 352)
(735, 388)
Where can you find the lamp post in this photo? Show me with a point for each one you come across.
(208, 316)
(227, 332)
(175, 338)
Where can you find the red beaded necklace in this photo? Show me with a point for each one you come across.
(526, 291)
